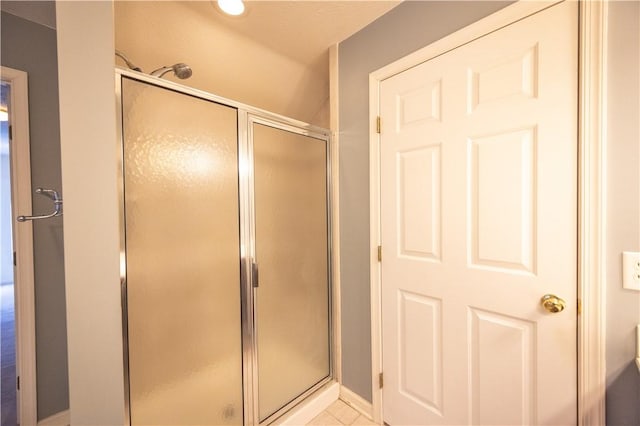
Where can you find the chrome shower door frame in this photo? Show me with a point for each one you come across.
(292, 126)
(246, 117)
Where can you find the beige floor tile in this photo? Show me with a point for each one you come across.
(363, 421)
(324, 419)
(343, 412)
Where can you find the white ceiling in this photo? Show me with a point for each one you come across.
(303, 30)
(274, 57)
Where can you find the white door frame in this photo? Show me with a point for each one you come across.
(591, 192)
(19, 152)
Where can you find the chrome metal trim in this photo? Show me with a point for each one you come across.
(246, 117)
(246, 244)
(126, 60)
(160, 71)
(284, 410)
(289, 126)
(123, 248)
(330, 253)
(219, 99)
(54, 196)
(255, 408)
(323, 135)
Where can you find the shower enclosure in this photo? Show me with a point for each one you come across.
(225, 257)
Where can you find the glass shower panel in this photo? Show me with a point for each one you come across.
(292, 299)
(182, 258)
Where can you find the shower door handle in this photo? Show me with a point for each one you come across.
(255, 275)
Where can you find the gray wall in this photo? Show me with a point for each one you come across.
(31, 47)
(406, 28)
(623, 210)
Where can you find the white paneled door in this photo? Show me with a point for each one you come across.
(478, 222)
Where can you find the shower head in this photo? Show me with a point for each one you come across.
(127, 61)
(180, 70)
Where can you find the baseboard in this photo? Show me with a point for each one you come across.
(356, 401)
(312, 406)
(59, 419)
(300, 415)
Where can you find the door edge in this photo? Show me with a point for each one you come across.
(24, 285)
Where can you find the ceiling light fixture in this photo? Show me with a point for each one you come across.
(231, 7)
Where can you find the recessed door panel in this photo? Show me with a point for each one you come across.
(505, 78)
(419, 202)
(502, 355)
(420, 348)
(502, 186)
(419, 105)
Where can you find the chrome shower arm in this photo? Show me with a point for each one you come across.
(180, 70)
(161, 71)
(127, 61)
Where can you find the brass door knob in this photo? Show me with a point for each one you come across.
(553, 303)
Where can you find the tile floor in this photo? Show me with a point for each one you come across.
(339, 413)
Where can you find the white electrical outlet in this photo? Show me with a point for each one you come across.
(631, 270)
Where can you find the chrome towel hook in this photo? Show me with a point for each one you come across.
(57, 205)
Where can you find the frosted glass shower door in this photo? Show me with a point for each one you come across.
(180, 169)
(292, 298)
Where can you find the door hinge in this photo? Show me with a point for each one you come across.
(378, 124)
(18, 383)
(379, 253)
(15, 259)
(579, 306)
(380, 380)
(10, 132)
